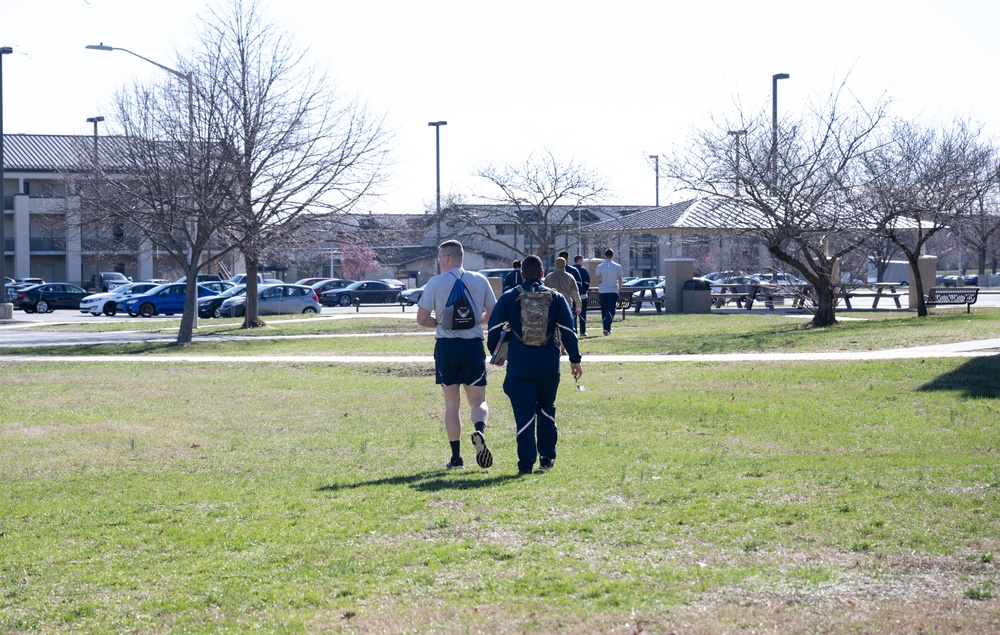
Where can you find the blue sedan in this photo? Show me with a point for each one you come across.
(167, 299)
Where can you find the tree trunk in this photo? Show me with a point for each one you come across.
(251, 320)
(918, 282)
(826, 305)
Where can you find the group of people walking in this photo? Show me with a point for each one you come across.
(538, 316)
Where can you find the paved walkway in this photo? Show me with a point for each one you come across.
(976, 348)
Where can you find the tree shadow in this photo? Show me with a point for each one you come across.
(432, 481)
(978, 378)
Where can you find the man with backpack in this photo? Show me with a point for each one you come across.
(457, 303)
(539, 320)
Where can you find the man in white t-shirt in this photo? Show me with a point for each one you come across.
(608, 276)
(459, 357)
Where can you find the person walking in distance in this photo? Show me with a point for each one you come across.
(457, 303)
(564, 283)
(513, 278)
(584, 289)
(539, 320)
(609, 282)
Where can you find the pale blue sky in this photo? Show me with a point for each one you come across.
(605, 83)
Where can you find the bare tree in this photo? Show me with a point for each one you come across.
(979, 226)
(166, 177)
(795, 198)
(541, 198)
(932, 177)
(297, 146)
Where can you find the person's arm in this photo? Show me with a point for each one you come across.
(424, 318)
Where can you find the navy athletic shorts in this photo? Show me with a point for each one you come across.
(460, 361)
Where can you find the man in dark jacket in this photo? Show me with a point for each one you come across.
(513, 278)
(533, 371)
(581, 269)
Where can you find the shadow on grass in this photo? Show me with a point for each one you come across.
(434, 481)
(976, 378)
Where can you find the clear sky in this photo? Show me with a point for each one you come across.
(604, 83)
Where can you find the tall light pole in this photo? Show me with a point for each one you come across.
(189, 78)
(95, 120)
(736, 150)
(774, 128)
(6, 308)
(656, 166)
(97, 248)
(437, 144)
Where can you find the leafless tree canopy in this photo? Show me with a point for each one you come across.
(296, 144)
(166, 176)
(541, 198)
(934, 176)
(795, 197)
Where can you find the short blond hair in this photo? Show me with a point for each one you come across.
(454, 249)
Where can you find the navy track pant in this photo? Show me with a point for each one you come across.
(531, 386)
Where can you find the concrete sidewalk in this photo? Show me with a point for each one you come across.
(978, 348)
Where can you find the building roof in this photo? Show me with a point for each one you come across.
(46, 153)
(697, 214)
(398, 256)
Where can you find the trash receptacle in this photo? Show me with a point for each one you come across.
(696, 296)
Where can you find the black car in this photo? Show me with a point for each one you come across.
(330, 284)
(365, 291)
(208, 306)
(45, 298)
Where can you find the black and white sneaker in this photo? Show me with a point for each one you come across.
(455, 464)
(484, 458)
(546, 464)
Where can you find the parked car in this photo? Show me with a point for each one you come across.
(655, 285)
(496, 273)
(108, 302)
(45, 298)
(778, 277)
(734, 284)
(392, 282)
(210, 306)
(109, 281)
(311, 281)
(274, 299)
(411, 296)
(956, 281)
(333, 283)
(219, 286)
(203, 277)
(372, 291)
(167, 299)
(241, 278)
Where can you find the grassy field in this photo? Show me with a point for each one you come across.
(853, 497)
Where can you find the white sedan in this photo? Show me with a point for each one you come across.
(107, 302)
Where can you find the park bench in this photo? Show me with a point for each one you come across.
(953, 295)
(357, 303)
(624, 301)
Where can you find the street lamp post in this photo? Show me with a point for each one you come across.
(97, 248)
(6, 308)
(437, 144)
(774, 128)
(95, 120)
(736, 150)
(656, 166)
(189, 78)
